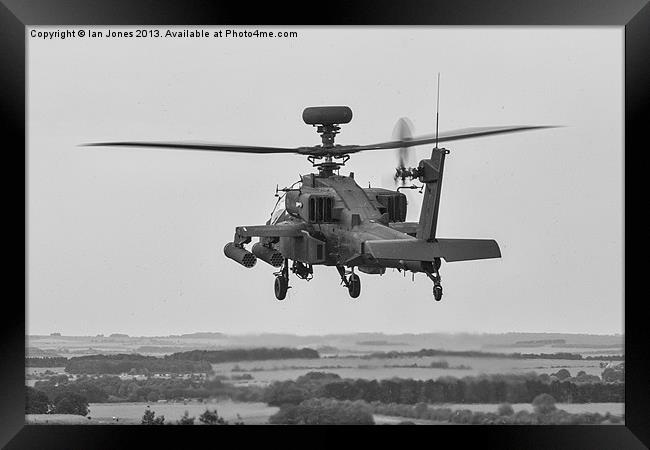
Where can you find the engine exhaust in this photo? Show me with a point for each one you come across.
(268, 255)
(240, 255)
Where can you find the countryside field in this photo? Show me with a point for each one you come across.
(348, 356)
(255, 413)
(265, 372)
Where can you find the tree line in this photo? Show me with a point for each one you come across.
(425, 352)
(48, 361)
(38, 402)
(321, 411)
(481, 389)
(511, 388)
(245, 354)
(208, 417)
(195, 361)
(134, 363)
(109, 388)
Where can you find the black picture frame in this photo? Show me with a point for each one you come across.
(634, 15)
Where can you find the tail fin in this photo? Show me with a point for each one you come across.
(431, 170)
(431, 175)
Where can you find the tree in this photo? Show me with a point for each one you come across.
(614, 374)
(36, 402)
(186, 419)
(562, 374)
(211, 418)
(420, 410)
(287, 415)
(70, 403)
(149, 418)
(283, 392)
(505, 409)
(318, 411)
(544, 404)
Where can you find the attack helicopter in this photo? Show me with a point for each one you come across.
(328, 219)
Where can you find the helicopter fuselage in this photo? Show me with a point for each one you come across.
(338, 217)
(331, 221)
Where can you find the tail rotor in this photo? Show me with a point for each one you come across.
(403, 131)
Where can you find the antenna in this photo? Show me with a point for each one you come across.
(437, 109)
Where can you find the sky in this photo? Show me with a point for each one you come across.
(126, 240)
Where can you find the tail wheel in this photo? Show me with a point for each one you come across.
(281, 286)
(437, 292)
(354, 285)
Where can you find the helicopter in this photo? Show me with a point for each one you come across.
(329, 220)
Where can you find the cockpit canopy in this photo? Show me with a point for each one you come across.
(277, 214)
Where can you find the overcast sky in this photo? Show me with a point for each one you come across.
(131, 240)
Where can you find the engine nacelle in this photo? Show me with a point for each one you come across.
(240, 255)
(268, 255)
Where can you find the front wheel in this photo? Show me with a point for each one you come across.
(281, 286)
(354, 285)
(437, 292)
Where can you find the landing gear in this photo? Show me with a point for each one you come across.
(354, 285)
(437, 292)
(282, 281)
(434, 275)
(353, 282)
(281, 287)
(304, 271)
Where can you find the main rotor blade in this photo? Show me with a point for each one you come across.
(454, 135)
(201, 146)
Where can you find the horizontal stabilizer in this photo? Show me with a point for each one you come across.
(419, 250)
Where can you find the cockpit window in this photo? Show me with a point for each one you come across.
(276, 215)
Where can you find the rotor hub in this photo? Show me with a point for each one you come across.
(328, 134)
(329, 165)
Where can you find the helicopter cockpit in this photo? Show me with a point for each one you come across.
(277, 213)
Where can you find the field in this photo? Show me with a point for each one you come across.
(258, 413)
(616, 409)
(33, 374)
(131, 413)
(264, 372)
(345, 355)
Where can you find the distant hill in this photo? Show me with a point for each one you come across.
(201, 335)
(245, 354)
(380, 342)
(540, 342)
(344, 343)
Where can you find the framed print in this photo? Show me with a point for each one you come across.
(233, 217)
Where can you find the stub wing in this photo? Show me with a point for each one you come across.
(244, 234)
(289, 230)
(418, 250)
